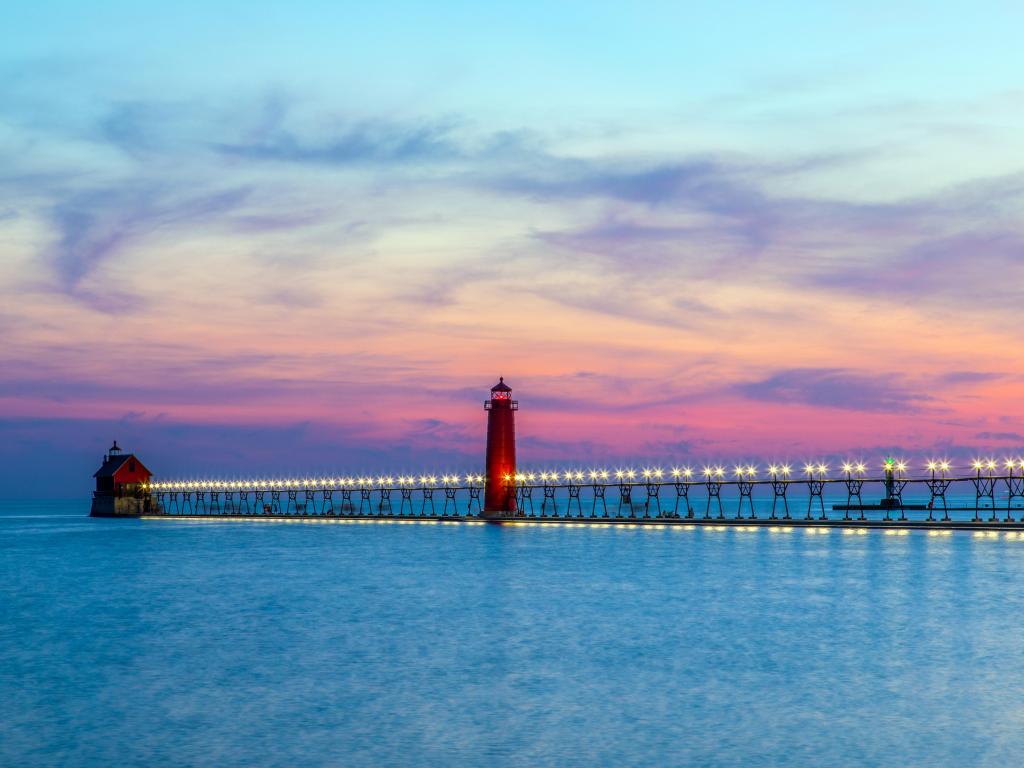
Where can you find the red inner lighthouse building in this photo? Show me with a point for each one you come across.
(500, 489)
(121, 473)
(120, 485)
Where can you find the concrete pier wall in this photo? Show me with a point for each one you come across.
(113, 506)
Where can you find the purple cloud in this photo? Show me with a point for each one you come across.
(366, 142)
(95, 224)
(834, 388)
(970, 377)
(1015, 437)
(971, 268)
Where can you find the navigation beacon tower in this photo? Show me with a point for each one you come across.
(500, 489)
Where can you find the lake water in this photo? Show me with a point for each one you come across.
(238, 643)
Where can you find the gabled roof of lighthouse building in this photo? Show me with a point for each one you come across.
(501, 386)
(114, 463)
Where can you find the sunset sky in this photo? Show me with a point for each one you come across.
(284, 236)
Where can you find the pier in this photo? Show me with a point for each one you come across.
(989, 495)
(983, 501)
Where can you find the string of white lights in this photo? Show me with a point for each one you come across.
(714, 473)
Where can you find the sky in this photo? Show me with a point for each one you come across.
(248, 238)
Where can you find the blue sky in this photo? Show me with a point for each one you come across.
(229, 219)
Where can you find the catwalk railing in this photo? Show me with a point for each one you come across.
(982, 497)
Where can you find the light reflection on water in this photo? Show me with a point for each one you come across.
(143, 643)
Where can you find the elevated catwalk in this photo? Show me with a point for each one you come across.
(969, 503)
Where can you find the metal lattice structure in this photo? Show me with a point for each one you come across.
(581, 496)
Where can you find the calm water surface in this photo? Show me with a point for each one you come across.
(176, 643)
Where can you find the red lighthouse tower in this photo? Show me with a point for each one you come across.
(500, 490)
